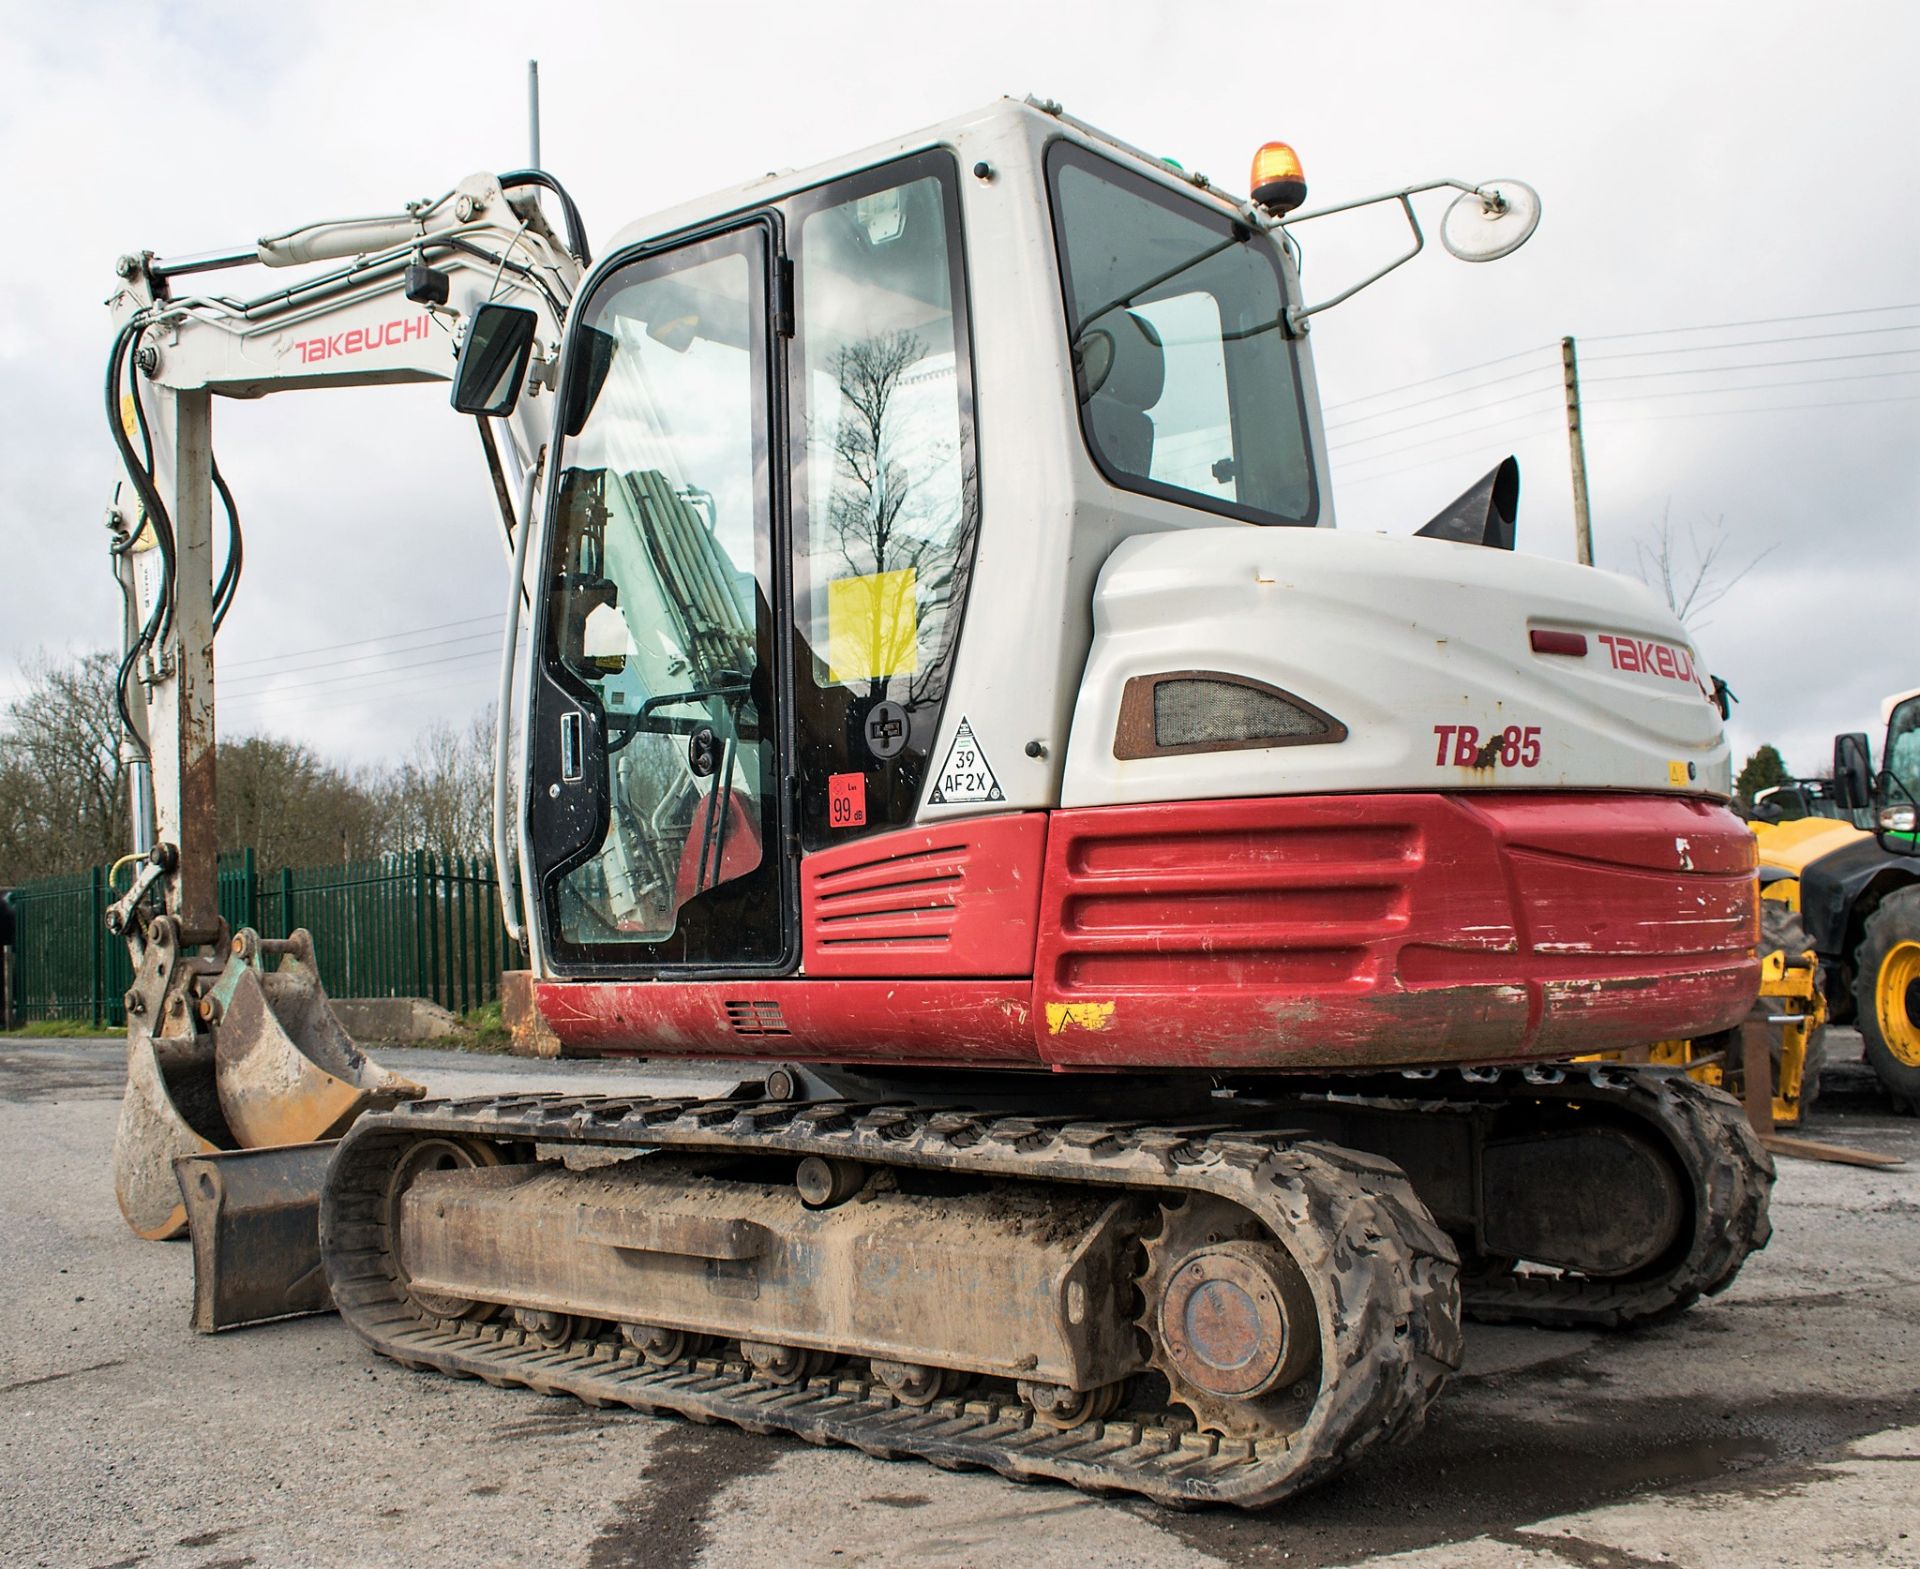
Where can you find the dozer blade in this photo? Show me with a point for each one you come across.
(168, 1082)
(287, 1072)
(255, 1219)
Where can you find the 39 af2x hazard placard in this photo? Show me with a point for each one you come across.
(966, 775)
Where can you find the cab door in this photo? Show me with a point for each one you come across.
(656, 805)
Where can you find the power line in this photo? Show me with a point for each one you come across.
(1515, 439)
(1758, 343)
(1758, 386)
(1770, 408)
(1758, 321)
(1708, 370)
(1452, 435)
(1439, 419)
(388, 653)
(363, 676)
(1439, 397)
(1608, 337)
(1427, 381)
(335, 705)
(328, 648)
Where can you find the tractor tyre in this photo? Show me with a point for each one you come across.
(1886, 991)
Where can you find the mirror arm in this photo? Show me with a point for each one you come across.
(1297, 314)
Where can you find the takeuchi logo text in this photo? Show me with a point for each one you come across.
(358, 340)
(1643, 656)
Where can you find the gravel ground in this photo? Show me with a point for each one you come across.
(1777, 1424)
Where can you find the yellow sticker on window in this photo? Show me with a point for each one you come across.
(873, 626)
(1677, 775)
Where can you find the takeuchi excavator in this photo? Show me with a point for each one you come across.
(1155, 927)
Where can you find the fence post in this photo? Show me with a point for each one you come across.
(419, 923)
(287, 922)
(462, 869)
(96, 884)
(250, 883)
(435, 927)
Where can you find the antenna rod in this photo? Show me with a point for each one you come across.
(533, 111)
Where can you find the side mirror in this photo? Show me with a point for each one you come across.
(493, 359)
(1896, 825)
(1852, 771)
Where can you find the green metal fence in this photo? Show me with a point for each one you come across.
(424, 924)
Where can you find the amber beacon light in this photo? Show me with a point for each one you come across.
(1279, 183)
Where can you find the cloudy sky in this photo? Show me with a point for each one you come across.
(1729, 232)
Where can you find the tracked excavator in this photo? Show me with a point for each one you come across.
(1154, 926)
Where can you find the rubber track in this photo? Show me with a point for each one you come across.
(1385, 1277)
(1729, 1171)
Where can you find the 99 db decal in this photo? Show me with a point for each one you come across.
(1517, 746)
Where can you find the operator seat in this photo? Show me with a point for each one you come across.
(1123, 367)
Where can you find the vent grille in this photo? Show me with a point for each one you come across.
(756, 1018)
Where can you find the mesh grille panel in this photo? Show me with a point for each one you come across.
(1198, 712)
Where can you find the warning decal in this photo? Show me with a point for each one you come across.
(966, 775)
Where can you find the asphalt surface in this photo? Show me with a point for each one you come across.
(1776, 1424)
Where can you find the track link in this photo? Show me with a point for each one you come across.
(1384, 1278)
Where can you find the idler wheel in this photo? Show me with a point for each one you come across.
(784, 1364)
(1236, 1320)
(421, 1157)
(1058, 1406)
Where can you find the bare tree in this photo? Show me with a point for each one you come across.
(441, 796)
(63, 798)
(1690, 567)
(293, 808)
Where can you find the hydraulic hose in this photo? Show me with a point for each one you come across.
(140, 470)
(141, 474)
(570, 214)
(223, 591)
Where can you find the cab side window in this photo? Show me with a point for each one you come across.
(885, 496)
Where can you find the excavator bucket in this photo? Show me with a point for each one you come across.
(226, 1130)
(255, 1220)
(286, 1072)
(167, 1080)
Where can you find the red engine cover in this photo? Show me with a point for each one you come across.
(1390, 929)
(1284, 933)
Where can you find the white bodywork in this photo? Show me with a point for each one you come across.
(1405, 641)
(1079, 585)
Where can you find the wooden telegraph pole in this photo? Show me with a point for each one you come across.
(1577, 450)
